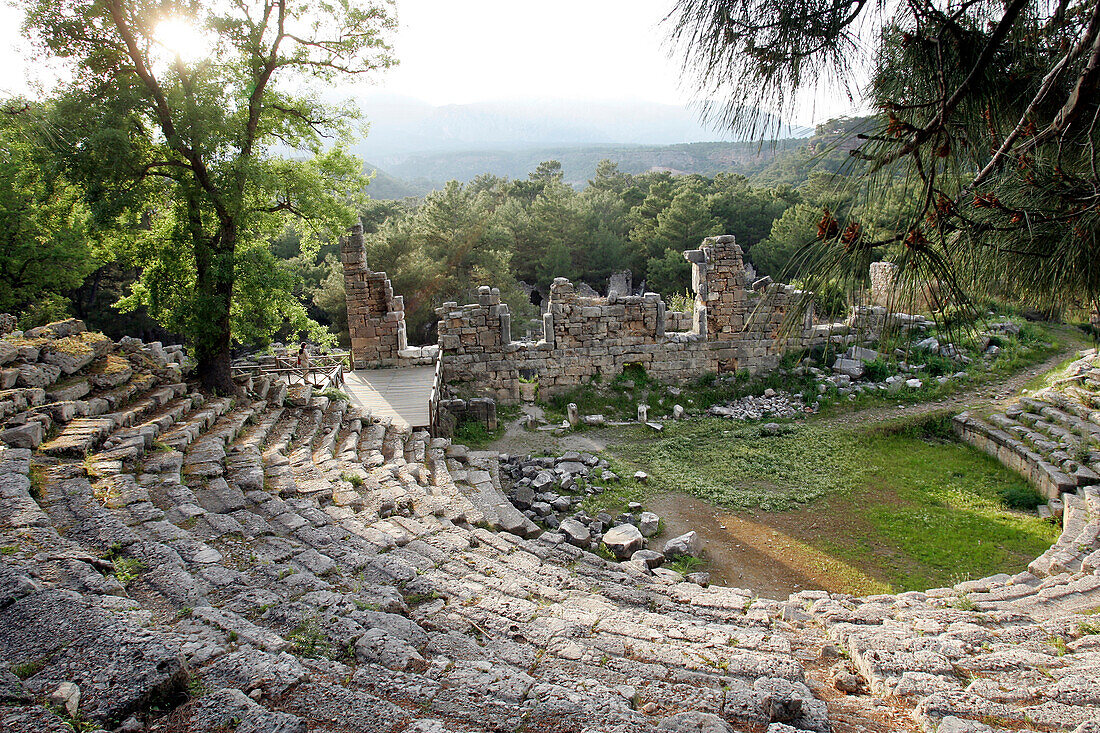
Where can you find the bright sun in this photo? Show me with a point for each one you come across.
(181, 38)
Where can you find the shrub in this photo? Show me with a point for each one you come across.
(685, 564)
(831, 301)
(1021, 496)
(472, 433)
(877, 369)
(334, 394)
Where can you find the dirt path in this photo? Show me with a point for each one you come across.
(518, 440)
(996, 394)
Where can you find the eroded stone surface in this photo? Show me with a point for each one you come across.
(225, 541)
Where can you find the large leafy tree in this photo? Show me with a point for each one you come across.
(987, 119)
(200, 159)
(43, 222)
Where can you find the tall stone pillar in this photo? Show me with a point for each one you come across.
(376, 318)
(718, 278)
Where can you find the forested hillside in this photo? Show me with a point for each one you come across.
(578, 163)
(513, 233)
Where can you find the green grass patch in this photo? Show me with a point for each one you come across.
(731, 464)
(333, 394)
(474, 434)
(902, 502)
(686, 564)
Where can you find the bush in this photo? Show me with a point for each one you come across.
(682, 302)
(937, 365)
(877, 369)
(335, 395)
(633, 373)
(934, 428)
(831, 301)
(1022, 497)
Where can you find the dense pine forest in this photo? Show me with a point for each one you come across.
(515, 234)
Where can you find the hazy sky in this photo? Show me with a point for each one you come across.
(470, 50)
(459, 51)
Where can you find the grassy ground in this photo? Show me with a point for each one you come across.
(474, 434)
(901, 505)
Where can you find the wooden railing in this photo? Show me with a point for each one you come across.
(324, 370)
(437, 392)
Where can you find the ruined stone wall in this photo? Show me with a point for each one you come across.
(376, 317)
(483, 327)
(888, 292)
(577, 322)
(679, 321)
(589, 337)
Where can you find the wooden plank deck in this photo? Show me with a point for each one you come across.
(403, 394)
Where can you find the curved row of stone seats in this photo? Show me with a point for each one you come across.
(238, 576)
(292, 567)
(477, 476)
(1014, 445)
(1078, 546)
(54, 374)
(1004, 652)
(1000, 653)
(1049, 437)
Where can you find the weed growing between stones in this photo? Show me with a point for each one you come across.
(334, 395)
(686, 564)
(38, 482)
(30, 669)
(308, 639)
(127, 570)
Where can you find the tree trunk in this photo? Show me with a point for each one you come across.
(214, 370)
(216, 275)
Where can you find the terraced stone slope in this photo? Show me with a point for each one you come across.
(282, 563)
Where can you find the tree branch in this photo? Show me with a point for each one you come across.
(1000, 33)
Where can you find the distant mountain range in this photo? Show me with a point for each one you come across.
(402, 125)
(416, 147)
(416, 174)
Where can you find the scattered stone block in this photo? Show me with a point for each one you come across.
(686, 545)
(624, 540)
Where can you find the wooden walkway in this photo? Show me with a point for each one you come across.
(404, 394)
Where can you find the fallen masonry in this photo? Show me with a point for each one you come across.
(770, 404)
(174, 561)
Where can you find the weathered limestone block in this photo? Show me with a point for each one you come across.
(57, 329)
(37, 375)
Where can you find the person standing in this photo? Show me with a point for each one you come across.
(303, 363)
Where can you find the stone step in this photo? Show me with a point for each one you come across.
(118, 666)
(80, 437)
(393, 444)
(185, 433)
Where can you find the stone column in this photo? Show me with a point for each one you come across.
(376, 318)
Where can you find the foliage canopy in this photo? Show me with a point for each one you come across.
(986, 123)
(199, 157)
